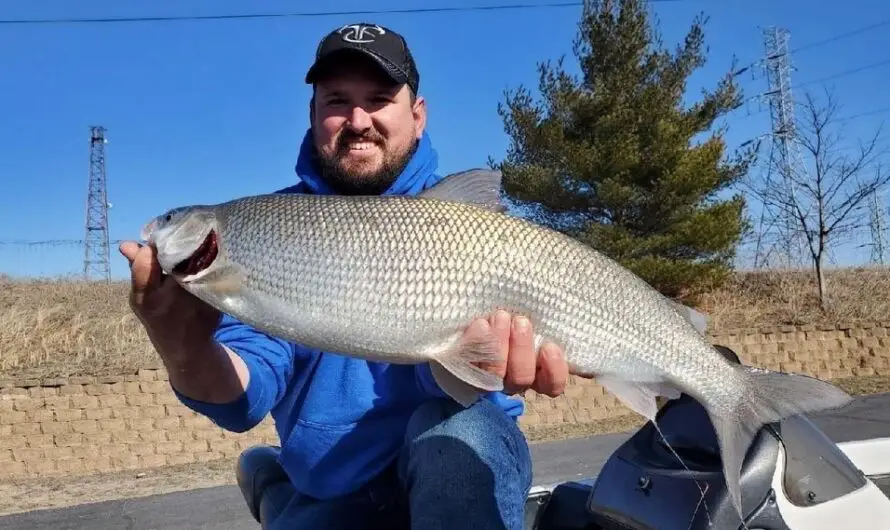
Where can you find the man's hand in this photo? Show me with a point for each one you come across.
(544, 371)
(181, 327)
(174, 319)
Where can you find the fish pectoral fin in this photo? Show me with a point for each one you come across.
(638, 396)
(456, 388)
(454, 369)
(480, 187)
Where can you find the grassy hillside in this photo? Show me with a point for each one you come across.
(57, 328)
(755, 299)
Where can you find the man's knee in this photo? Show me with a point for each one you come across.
(447, 417)
(257, 468)
(443, 428)
(462, 465)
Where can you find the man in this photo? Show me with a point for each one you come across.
(363, 444)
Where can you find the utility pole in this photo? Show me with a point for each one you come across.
(778, 235)
(96, 258)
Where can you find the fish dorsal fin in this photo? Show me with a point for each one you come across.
(480, 187)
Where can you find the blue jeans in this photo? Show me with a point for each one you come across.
(460, 468)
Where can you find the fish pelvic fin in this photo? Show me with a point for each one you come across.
(479, 187)
(766, 397)
(640, 397)
(455, 369)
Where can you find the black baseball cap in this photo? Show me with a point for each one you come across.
(383, 45)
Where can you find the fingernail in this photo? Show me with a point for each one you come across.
(483, 324)
(522, 324)
(502, 319)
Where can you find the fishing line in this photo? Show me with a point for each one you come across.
(569, 404)
(703, 491)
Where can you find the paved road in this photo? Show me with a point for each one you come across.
(223, 508)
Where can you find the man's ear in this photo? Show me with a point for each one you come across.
(419, 111)
(312, 110)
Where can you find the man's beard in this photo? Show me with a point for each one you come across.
(347, 181)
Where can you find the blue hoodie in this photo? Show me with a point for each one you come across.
(341, 420)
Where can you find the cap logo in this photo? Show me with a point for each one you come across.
(360, 33)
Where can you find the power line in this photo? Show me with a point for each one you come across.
(863, 114)
(50, 242)
(297, 14)
(845, 73)
(40, 242)
(841, 36)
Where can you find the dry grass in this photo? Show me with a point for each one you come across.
(755, 299)
(63, 327)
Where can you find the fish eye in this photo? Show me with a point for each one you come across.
(172, 214)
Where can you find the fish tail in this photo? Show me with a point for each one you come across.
(766, 397)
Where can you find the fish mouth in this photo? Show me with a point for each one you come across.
(201, 259)
(148, 230)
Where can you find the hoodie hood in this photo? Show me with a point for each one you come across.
(418, 175)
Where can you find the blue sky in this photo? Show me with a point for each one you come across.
(210, 110)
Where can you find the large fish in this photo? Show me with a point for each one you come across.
(398, 279)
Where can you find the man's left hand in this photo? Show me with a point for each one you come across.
(544, 371)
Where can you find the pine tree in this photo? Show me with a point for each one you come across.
(608, 156)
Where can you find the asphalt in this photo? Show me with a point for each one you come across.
(222, 508)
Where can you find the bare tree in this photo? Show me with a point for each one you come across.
(829, 199)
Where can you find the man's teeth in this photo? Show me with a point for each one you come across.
(361, 146)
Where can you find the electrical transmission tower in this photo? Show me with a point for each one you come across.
(779, 237)
(95, 258)
(878, 224)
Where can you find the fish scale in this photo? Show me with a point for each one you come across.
(399, 279)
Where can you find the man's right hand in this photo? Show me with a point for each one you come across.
(175, 320)
(181, 328)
